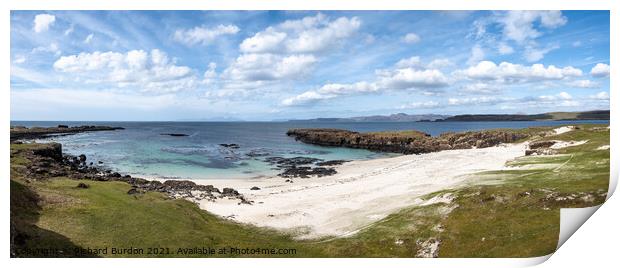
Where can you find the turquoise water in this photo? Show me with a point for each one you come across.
(140, 149)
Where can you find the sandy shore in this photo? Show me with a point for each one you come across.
(361, 193)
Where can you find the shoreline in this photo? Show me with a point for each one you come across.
(362, 192)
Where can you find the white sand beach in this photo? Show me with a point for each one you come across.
(362, 192)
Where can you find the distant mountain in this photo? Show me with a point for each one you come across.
(399, 117)
(554, 116)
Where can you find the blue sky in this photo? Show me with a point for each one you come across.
(271, 65)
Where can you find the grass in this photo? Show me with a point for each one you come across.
(515, 216)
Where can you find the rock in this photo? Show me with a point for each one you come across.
(44, 132)
(52, 150)
(58, 173)
(230, 145)
(174, 134)
(405, 142)
(306, 172)
(133, 191)
(332, 163)
(115, 175)
(180, 184)
(229, 192)
(541, 144)
(254, 188)
(82, 158)
(291, 162)
(83, 185)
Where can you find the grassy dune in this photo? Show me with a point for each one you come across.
(513, 213)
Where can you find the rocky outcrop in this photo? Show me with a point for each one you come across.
(303, 167)
(46, 161)
(541, 148)
(52, 150)
(174, 134)
(21, 132)
(405, 142)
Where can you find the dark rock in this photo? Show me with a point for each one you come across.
(83, 185)
(63, 126)
(229, 192)
(306, 172)
(230, 145)
(133, 191)
(291, 162)
(82, 158)
(174, 134)
(254, 188)
(541, 144)
(332, 163)
(58, 173)
(115, 175)
(52, 150)
(180, 184)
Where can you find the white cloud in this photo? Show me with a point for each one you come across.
(512, 73)
(421, 105)
(411, 62)
(440, 63)
(480, 88)
(89, 38)
(52, 48)
(306, 35)
(485, 100)
(477, 54)
(561, 99)
(266, 41)
(505, 49)
(411, 38)
(135, 69)
(533, 53)
(584, 84)
(408, 78)
(402, 77)
(19, 59)
(268, 67)
(600, 70)
(69, 30)
(204, 35)
(42, 22)
(519, 25)
(415, 62)
(600, 96)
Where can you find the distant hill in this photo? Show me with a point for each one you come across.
(403, 117)
(399, 117)
(588, 115)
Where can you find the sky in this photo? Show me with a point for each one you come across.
(277, 65)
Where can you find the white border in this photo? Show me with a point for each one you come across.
(576, 250)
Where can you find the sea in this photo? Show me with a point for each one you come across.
(141, 149)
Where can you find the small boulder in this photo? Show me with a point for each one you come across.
(254, 188)
(82, 185)
(133, 191)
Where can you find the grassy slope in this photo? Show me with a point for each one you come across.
(494, 219)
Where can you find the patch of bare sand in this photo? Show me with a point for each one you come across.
(362, 192)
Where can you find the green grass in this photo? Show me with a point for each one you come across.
(511, 217)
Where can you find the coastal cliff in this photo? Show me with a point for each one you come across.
(21, 132)
(405, 142)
